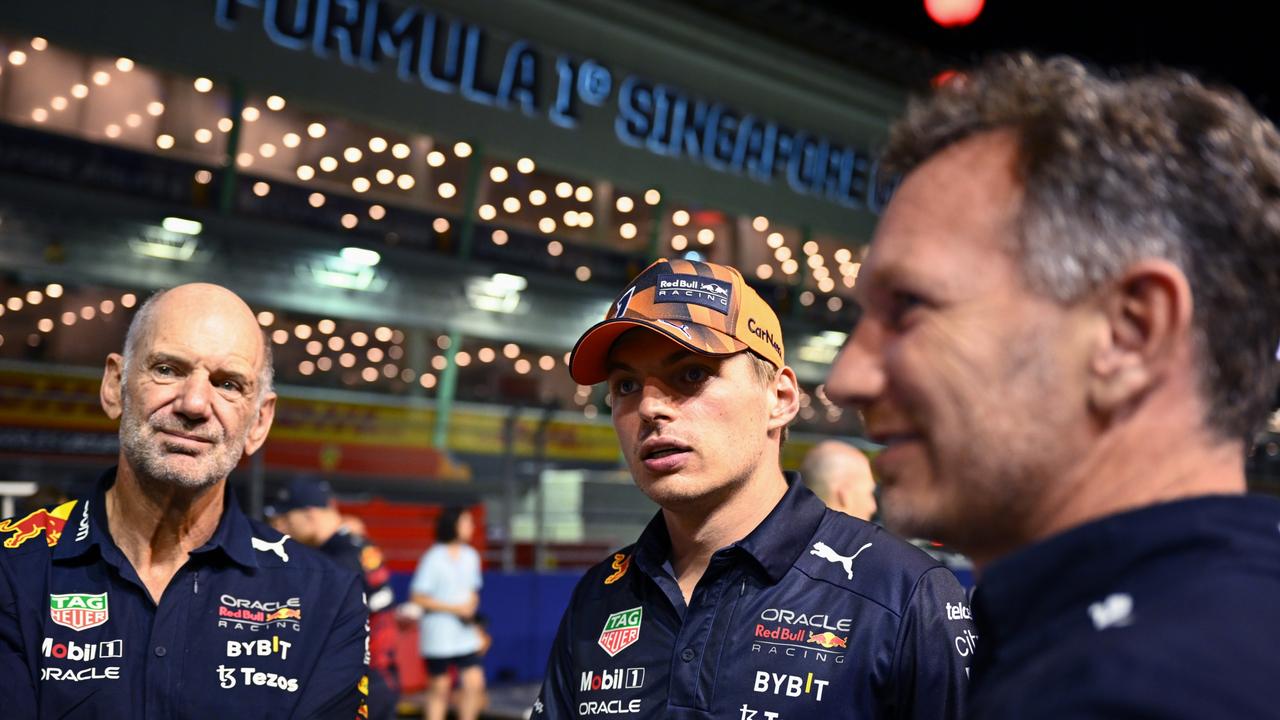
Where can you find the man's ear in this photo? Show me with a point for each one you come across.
(1145, 330)
(784, 400)
(261, 425)
(111, 393)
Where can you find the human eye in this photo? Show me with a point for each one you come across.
(164, 371)
(623, 386)
(903, 305)
(694, 374)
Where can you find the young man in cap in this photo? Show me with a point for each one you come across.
(744, 597)
(305, 510)
(1070, 315)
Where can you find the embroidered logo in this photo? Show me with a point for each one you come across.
(276, 547)
(79, 611)
(1115, 611)
(621, 630)
(50, 522)
(621, 563)
(825, 552)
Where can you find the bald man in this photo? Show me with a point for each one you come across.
(156, 594)
(840, 475)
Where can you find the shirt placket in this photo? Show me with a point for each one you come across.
(166, 646)
(695, 661)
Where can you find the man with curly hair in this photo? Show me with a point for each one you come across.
(1070, 315)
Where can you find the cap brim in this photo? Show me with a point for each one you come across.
(587, 361)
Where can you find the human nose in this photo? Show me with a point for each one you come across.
(194, 397)
(857, 376)
(655, 403)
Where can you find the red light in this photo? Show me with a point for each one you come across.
(946, 76)
(953, 13)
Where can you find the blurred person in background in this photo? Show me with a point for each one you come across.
(446, 586)
(157, 591)
(1070, 314)
(305, 510)
(840, 475)
(745, 597)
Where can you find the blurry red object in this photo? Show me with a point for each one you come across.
(953, 13)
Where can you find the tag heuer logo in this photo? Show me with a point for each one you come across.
(621, 631)
(78, 611)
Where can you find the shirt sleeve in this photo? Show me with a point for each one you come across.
(556, 699)
(338, 686)
(476, 574)
(935, 646)
(17, 691)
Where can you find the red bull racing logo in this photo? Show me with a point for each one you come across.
(828, 640)
(240, 613)
(50, 522)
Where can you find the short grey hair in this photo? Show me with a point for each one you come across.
(1117, 169)
(142, 320)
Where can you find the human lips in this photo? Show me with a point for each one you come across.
(184, 437)
(895, 441)
(664, 455)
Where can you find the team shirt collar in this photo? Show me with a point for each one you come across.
(1084, 564)
(86, 529)
(775, 544)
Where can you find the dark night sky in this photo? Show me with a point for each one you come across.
(1227, 41)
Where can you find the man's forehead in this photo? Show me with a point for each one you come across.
(963, 201)
(640, 343)
(226, 340)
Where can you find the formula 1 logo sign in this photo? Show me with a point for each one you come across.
(621, 630)
(78, 611)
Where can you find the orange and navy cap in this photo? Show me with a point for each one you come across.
(705, 307)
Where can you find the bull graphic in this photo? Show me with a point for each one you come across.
(50, 522)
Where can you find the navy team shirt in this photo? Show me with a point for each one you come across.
(252, 626)
(1171, 612)
(815, 614)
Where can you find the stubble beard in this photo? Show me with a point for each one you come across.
(147, 456)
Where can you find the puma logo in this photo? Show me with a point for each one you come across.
(1115, 611)
(825, 552)
(276, 547)
(682, 328)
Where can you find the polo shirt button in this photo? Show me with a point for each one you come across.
(160, 651)
(687, 654)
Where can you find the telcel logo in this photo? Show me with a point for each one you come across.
(616, 679)
(958, 611)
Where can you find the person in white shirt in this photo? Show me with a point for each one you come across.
(446, 586)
